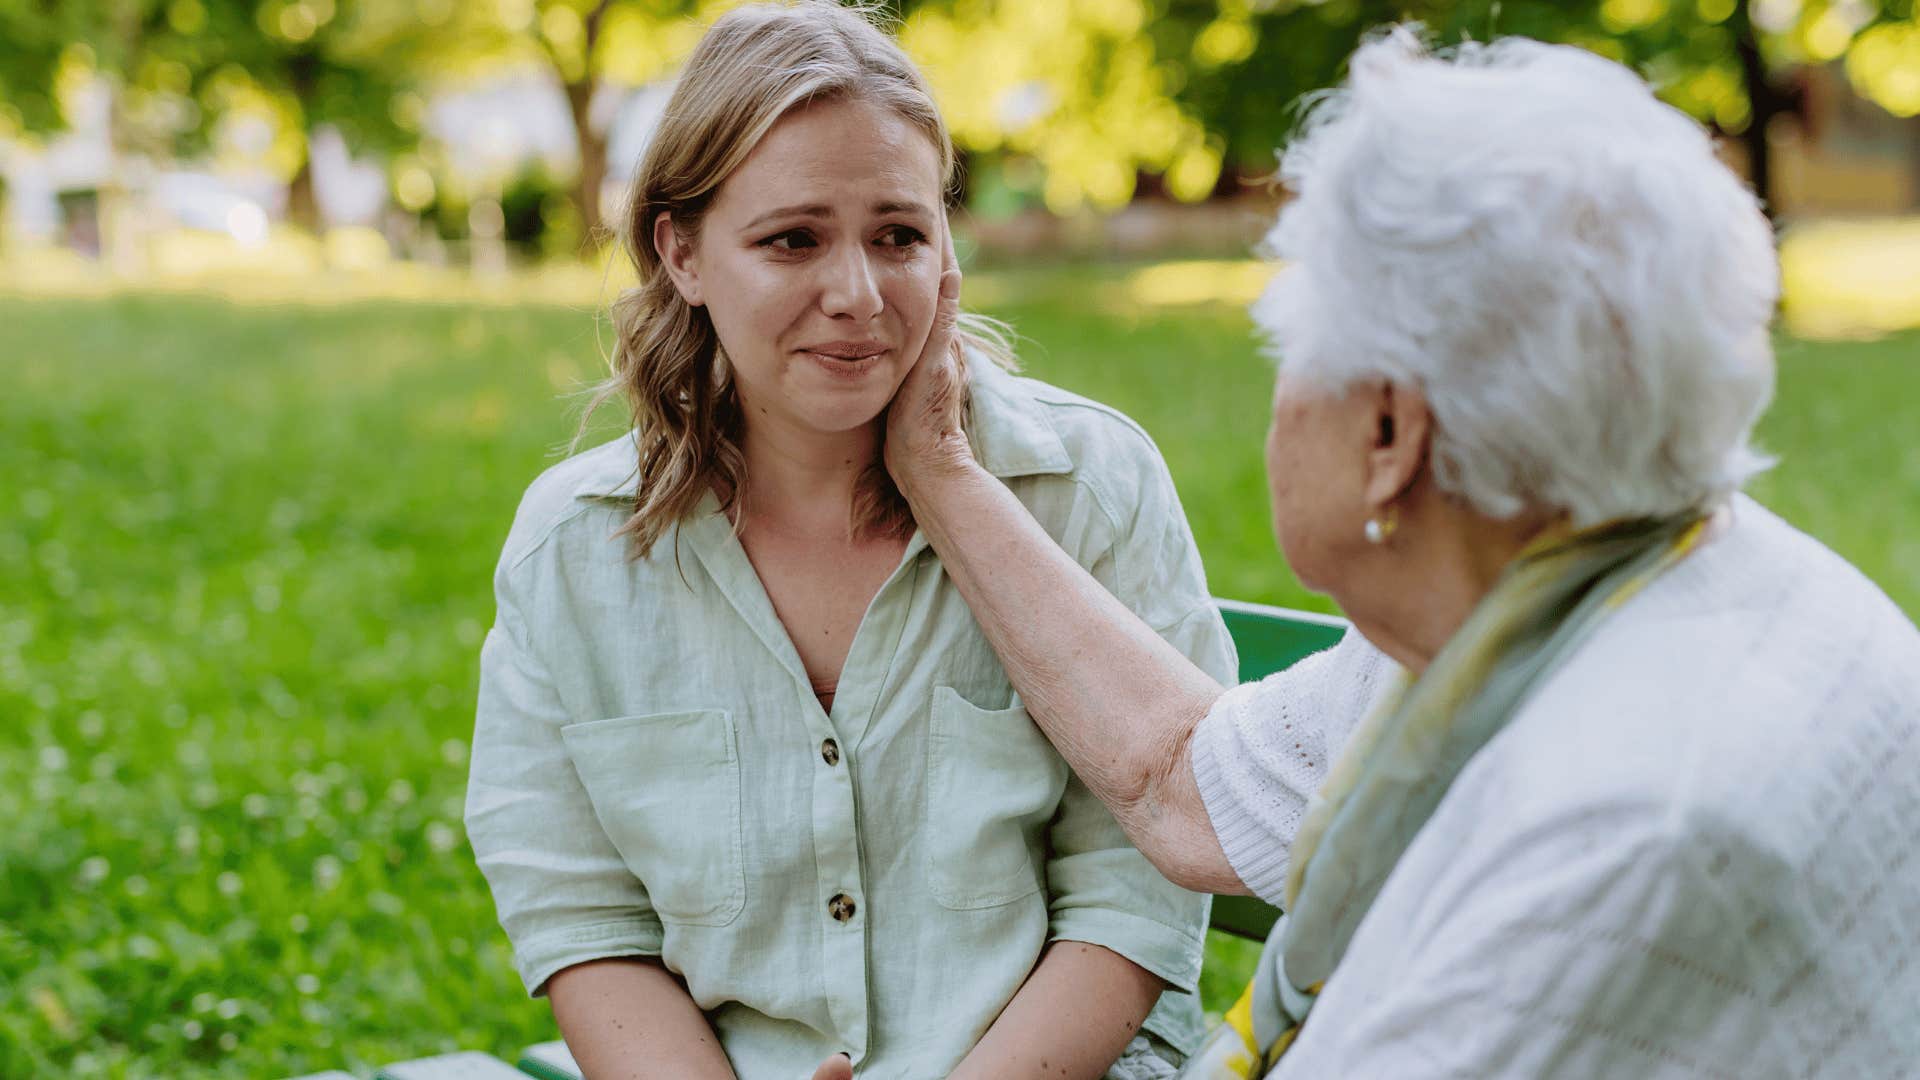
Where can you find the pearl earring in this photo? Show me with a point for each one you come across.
(1377, 530)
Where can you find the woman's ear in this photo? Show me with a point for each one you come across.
(678, 257)
(1401, 430)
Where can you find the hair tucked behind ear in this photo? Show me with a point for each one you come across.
(755, 64)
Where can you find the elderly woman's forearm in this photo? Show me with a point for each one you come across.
(1118, 702)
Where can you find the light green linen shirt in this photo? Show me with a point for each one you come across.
(653, 776)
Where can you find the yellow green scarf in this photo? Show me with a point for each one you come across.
(1401, 760)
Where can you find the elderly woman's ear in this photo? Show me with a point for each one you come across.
(1402, 429)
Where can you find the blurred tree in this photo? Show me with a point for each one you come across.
(569, 34)
(1730, 63)
(48, 50)
(1202, 91)
(588, 44)
(1071, 99)
(353, 65)
(31, 41)
(174, 68)
(1085, 88)
(50, 58)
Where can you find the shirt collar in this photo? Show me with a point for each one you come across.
(1012, 433)
(1012, 436)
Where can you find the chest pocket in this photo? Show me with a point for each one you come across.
(993, 783)
(666, 789)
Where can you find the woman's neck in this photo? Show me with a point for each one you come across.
(1446, 562)
(806, 480)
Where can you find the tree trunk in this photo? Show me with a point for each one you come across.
(593, 158)
(303, 78)
(116, 206)
(1764, 103)
(303, 209)
(1913, 162)
(593, 146)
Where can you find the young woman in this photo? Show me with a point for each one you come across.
(749, 786)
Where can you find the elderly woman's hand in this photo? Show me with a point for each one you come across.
(924, 434)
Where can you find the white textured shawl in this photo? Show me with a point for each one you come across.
(1694, 853)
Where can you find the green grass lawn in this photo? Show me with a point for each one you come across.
(244, 576)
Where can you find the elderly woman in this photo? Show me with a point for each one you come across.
(1636, 786)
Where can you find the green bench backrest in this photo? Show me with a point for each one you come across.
(1268, 640)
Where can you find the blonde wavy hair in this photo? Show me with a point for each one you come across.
(753, 66)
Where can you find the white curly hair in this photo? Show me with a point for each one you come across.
(1557, 260)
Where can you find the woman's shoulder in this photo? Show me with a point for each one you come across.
(594, 479)
(1762, 616)
(1023, 426)
(1730, 695)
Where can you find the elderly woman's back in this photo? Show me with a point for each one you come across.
(1691, 851)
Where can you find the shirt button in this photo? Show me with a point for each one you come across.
(841, 907)
(830, 752)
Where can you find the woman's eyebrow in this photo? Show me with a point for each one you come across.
(822, 210)
(814, 210)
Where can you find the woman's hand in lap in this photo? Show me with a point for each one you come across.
(837, 1067)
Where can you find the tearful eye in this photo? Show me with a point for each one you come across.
(791, 240)
(901, 236)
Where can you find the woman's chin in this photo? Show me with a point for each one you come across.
(847, 414)
(848, 405)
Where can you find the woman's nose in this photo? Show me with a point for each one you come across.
(850, 287)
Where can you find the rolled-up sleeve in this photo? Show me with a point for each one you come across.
(563, 893)
(1105, 892)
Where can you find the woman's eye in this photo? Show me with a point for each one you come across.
(901, 236)
(791, 240)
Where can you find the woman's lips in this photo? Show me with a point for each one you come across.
(846, 361)
(846, 350)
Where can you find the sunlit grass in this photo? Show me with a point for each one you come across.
(246, 573)
(1234, 282)
(1851, 279)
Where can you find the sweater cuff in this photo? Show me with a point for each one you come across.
(1258, 856)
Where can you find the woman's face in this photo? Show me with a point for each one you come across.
(819, 263)
(1316, 479)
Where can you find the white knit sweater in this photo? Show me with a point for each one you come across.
(1695, 851)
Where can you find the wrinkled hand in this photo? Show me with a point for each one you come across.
(837, 1067)
(923, 422)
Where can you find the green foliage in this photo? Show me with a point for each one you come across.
(1086, 94)
(244, 584)
(176, 67)
(1183, 87)
(30, 44)
(1688, 47)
